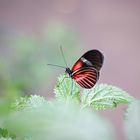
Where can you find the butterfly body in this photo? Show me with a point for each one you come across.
(86, 70)
(68, 71)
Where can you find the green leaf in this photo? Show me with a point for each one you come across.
(103, 96)
(5, 135)
(4, 132)
(20, 103)
(29, 102)
(59, 121)
(66, 89)
(36, 101)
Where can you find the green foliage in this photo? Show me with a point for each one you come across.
(27, 102)
(132, 121)
(56, 121)
(5, 135)
(66, 89)
(35, 118)
(70, 116)
(20, 103)
(101, 96)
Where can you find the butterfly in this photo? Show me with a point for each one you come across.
(86, 69)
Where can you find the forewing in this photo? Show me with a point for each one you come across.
(86, 77)
(92, 58)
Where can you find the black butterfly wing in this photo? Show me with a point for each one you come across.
(86, 77)
(86, 70)
(92, 58)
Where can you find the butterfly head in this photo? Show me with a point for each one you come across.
(68, 71)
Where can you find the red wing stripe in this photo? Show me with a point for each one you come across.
(87, 69)
(88, 83)
(86, 77)
(82, 83)
(91, 76)
(79, 82)
(93, 79)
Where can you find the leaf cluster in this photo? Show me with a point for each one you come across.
(101, 96)
(69, 116)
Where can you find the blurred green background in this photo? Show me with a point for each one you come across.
(24, 59)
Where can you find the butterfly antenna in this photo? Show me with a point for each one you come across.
(56, 66)
(63, 56)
